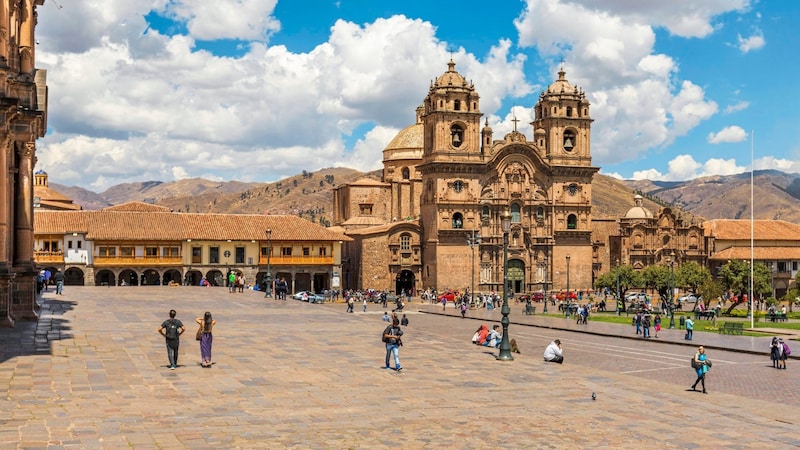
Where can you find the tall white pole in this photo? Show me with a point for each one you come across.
(752, 228)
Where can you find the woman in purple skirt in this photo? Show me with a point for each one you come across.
(206, 338)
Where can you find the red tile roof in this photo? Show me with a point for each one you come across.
(170, 226)
(759, 253)
(724, 229)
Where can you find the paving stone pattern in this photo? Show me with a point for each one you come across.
(93, 374)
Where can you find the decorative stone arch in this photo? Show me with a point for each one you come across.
(216, 277)
(105, 277)
(572, 222)
(73, 277)
(192, 277)
(406, 173)
(128, 277)
(457, 221)
(150, 277)
(172, 275)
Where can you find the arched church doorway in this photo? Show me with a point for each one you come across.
(404, 281)
(516, 275)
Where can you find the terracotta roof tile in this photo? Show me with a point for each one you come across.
(723, 229)
(137, 207)
(126, 225)
(759, 253)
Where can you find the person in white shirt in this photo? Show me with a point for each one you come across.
(554, 352)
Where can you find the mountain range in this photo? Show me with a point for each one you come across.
(310, 195)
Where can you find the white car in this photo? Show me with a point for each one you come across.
(689, 298)
(309, 297)
(638, 297)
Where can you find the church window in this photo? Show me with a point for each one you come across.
(474, 105)
(456, 135)
(569, 140)
(572, 222)
(440, 103)
(458, 220)
(405, 242)
(572, 189)
(485, 211)
(365, 209)
(569, 111)
(540, 213)
(458, 185)
(515, 213)
(406, 173)
(457, 105)
(555, 110)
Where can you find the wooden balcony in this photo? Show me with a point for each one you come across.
(296, 260)
(137, 261)
(48, 257)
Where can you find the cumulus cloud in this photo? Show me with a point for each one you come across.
(685, 167)
(729, 134)
(754, 42)
(638, 101)
(146, 105)
(235, 19)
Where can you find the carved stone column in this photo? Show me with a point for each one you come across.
(23, 302)
(6, 320)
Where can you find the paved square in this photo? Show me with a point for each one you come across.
(293, 375)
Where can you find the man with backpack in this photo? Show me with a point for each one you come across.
(172, 329)
(392, 337)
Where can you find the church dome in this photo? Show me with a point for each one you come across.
(451, 77)
(638, 211)
(408, 138)
(561, 85)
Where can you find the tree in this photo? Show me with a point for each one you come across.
(628, 278)
(658, 277)
(691, 276)
(735, 277)
(710, 289)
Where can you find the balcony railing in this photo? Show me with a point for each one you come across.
(48, 257)
(296, 260)
(137, 261)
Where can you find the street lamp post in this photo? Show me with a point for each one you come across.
(671, 304)
(268, 275)
(569, 298)
(472, 241)
(545, 285)
(618, 297)
(505, 346)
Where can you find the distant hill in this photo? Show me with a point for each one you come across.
(776, 194)
(310, 195)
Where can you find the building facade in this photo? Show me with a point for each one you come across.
(23, 104)
(142, 244)
(434, 219)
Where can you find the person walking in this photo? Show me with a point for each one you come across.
(646, 326)
(392, 337)
(364, 301)
(783, 353)
(657, 323)
(463, 309)
(700, 363)
(404, 321)
(206, 338)
(172, 329)
(59, 279)
(689, 329)
(775, 352)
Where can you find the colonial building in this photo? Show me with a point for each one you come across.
(644, 239)
(775, 243)
(138, 243)
(23, 105)
(434, 219)
(46, 198)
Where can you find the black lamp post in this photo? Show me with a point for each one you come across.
(472, 241)
(671, 261)
(545, 285)
(268, 275)
(505, 346)
(618, 295)
(569, 297)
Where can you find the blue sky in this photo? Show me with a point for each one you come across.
(257, 90)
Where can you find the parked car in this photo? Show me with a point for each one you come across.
(690, 298)
(309, 297)
(637, 297)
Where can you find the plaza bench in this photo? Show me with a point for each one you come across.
(776, 317)
(732, 328)
(707, 315)
(529, 310)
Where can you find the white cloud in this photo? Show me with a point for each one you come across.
(753, 42)
(736, 107)
(729, 134)
(234, 19)
(685, 167)
(649, 174)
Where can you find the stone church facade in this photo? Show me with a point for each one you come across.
(23, 105)
(434, 219)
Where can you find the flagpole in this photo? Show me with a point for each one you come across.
(752, 228)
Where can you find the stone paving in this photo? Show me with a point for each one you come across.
(93, 374)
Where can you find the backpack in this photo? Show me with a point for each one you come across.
(172, 330)
(786, 350)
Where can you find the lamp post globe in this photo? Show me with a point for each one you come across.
(505, 346)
